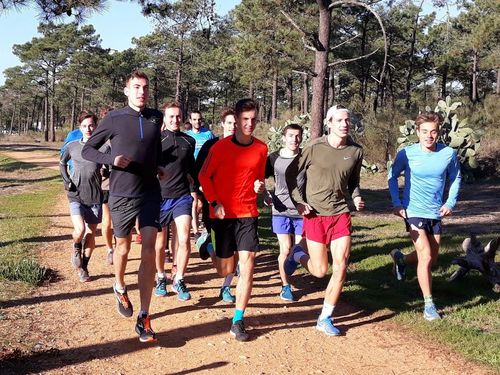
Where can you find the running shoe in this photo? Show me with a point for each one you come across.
(138, 239)
(109, 258)
(84, 275)
(286, 293)
(123, 304)
(398, 267)
(161, 287)
(201, 245)
(430, 313)
(225, 294)
(180, 289)
(76, 258)
(238, 331)
(326, 326)
(290, 264)
(144, 330)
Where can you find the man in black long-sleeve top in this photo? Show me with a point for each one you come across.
(177, 192)
(134, 191)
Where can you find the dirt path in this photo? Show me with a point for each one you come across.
(75, 328)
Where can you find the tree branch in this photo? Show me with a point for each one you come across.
(338, 62)
(344, 42)
(310, 40)
(367, 7)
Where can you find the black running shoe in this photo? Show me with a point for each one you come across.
(238, 331)
(123, 304)
(143, 329)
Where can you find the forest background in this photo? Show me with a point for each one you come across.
(268, 50)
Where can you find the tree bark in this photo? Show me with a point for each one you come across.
(290, 92)
(12, 119)
(498, 82)
(305, 93)
(444, 81)
(474, 96)
(180, 66)
(409, 74)
(274, 99)
(320, 66)
(73, 109)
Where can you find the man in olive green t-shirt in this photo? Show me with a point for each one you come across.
(331, 166)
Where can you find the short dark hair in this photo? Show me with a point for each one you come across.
(171, 104)
(293, 127)
(226, 112)
(245, 105)
(198, 112)
(136, 74)
(85, 115)
(428, 117)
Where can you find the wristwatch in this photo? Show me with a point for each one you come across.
(214, 203)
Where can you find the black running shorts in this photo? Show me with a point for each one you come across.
(235, 235)
(125, 210)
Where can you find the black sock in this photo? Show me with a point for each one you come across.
(77, 245)
(85, 262)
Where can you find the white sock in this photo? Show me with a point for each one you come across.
(298, 254)
(178, 277)
(161, 275)
(143, 313)
(110, 250)
(228, 280)
(119, 288)
(326, 311)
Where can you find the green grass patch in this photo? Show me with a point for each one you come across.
(472, 310)
(29, 194)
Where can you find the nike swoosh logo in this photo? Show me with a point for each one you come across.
(347, 157)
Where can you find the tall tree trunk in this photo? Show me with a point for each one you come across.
(46, 116)
(180, 66)
(289, 87)
(12, 119)
(411, 65)
(251, 90)
(73, 109)
(364, 70)
(274, 98)
(444, 81)
(498, 82)
(305, 93)
(320, 65)
(33, 111)
(331, 86)
(474, 96)
(52, 104)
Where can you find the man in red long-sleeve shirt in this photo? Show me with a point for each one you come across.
(231, 177)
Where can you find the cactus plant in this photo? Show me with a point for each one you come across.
(274, 136)
(454, 132)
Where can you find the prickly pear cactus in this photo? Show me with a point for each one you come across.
(274, 135)
(455, 133)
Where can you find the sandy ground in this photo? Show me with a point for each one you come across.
(75, 329)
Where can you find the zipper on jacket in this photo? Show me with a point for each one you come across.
(141, 129)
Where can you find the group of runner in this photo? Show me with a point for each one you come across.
(158, 174)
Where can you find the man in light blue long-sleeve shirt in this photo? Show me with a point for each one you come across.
(427, 166)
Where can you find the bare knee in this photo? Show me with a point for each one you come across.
(319, 271)
(426, 259)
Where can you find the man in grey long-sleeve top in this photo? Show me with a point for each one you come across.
(134, 191)
(83, 184)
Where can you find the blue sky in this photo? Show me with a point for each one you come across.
(117, 25)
